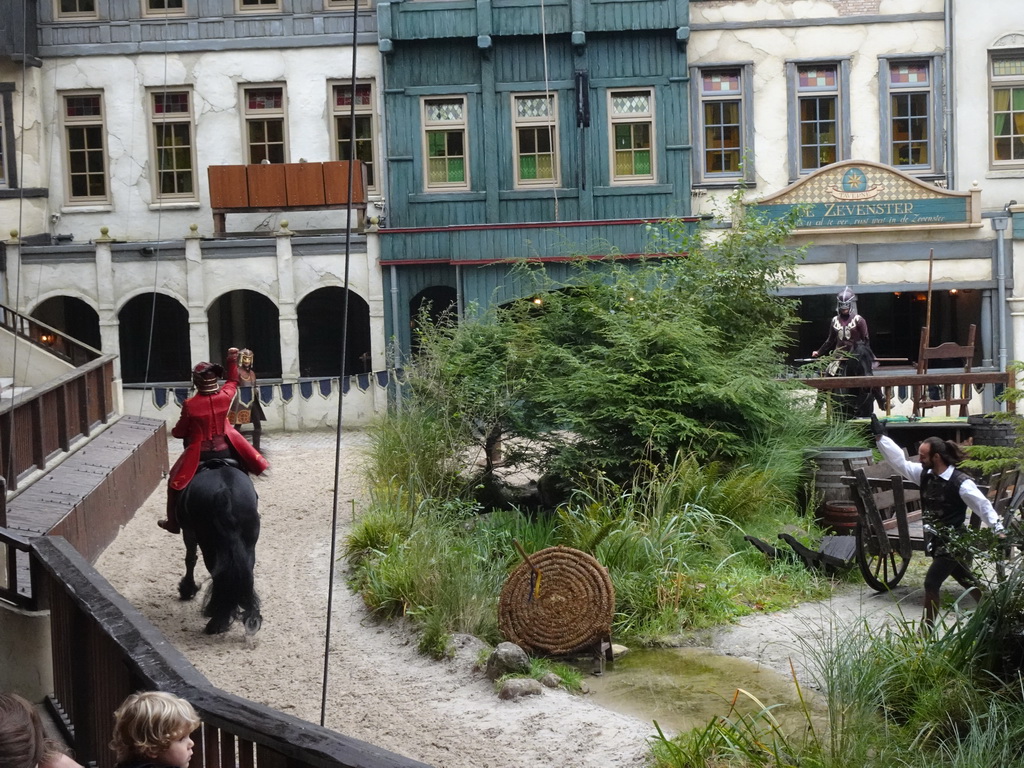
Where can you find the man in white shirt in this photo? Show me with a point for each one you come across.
(946, 495)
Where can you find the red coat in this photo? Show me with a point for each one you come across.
(204, 417)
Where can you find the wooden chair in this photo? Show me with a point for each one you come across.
(1001, 489)
(950, 395)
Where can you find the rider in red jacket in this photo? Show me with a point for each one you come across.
(206, 432)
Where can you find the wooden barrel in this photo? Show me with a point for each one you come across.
(827, 467)
(839, 517)
(988, 430)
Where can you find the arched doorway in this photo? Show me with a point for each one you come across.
(154, 340)
(71, 316)
(246, 319)
(320, 327)
(433, 304)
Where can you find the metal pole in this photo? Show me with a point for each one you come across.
(999, 225)
(949, 97)
(928, 310)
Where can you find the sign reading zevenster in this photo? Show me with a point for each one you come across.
(861, 194)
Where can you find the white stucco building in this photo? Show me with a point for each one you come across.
(129, 110)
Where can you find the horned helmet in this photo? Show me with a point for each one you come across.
(205, 376)
(845, 300)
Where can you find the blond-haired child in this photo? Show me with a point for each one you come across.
(153, 728)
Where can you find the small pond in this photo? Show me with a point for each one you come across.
(685, 688)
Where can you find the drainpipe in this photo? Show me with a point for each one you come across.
(949, 116)
(395, 334)
(460, 306)
(999, 221)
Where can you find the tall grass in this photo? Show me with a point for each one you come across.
(781, 455)
(893, 698)
(671, 540)
(416, 454)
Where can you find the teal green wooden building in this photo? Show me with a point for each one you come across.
(525, 129)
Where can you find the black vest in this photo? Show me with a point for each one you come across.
(941, 500)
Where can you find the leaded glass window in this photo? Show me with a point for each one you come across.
(910, 114)
(173, 145)
(535, 124)
(445, 152)
(1008, 110)
(264, 109)
(818, 116)
(722, 115)
(343, 110)
(86, 159)
(631, 117)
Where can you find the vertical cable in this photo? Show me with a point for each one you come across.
(344, 354)
(159, 216)
(548, 104)
(15, 156)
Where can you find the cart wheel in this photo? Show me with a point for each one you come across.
(881, 572)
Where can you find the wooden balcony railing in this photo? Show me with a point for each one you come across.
(284, 186)
(38, 425)
(15, 557)
(890, 381)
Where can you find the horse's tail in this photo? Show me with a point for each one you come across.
(235, 528)
(233, 586)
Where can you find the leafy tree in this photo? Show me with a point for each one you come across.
(627, 362)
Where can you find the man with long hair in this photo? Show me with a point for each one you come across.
(946, 495)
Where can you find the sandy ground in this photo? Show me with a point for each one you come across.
(380, 689)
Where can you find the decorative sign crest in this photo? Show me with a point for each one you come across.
(864, 195)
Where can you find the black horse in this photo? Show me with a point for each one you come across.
(218, 513)
(857, 401)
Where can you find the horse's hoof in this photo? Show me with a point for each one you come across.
(217, 626)
(186, 590)
(253, 624)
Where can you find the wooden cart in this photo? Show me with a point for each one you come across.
(889, 530)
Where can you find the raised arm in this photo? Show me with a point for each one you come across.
(911, 470)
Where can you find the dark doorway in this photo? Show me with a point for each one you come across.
(895, 321)
(434, 303)
(320, 333)
(246, 319)
(72, 317)
(154, 340)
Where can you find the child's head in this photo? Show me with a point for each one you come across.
(154, 725)
(21, 733)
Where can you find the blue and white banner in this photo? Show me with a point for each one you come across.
(307, 388)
